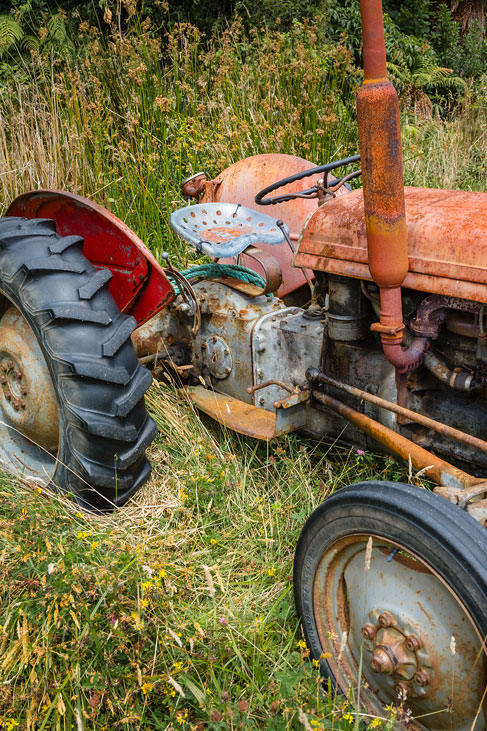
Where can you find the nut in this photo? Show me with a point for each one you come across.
(386, 619)
(421, 678)
(4, 366)
(413, 643)
(368, 632)
(10, 363)
(381, 662)
(8, 395)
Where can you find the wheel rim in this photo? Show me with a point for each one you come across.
(401, 616)
(29, 419)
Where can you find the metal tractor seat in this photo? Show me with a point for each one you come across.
(225, 230)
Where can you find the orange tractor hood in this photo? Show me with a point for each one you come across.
(447, 241)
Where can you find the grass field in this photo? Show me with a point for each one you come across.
(177, 611)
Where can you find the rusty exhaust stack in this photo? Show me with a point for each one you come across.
(385, 215)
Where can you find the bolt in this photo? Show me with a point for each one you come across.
(226, 351)
(413, 643)
(10, 363)
(4, 366)
(262, 401)
(24, 390)
(386, 619)
(214, 338)
(203, 346)
(227, 369)
(3, 379)
(260, 373)
(381, 662)
(8, 395)
(368, 632)
(15, 404)
(22, 403)
(18, 374)
(421, 678)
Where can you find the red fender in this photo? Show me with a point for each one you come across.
(139, 284)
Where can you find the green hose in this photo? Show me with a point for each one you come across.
(217, 271)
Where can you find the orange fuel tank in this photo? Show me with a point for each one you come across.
(447, 241)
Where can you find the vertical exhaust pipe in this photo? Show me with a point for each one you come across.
(385, 215)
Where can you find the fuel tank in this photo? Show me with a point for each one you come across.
(447, 241)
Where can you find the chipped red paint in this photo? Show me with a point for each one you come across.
(139, 284)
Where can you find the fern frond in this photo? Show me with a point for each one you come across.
(10, 32)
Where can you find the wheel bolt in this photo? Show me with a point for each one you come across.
(381, 662)
(16, 405)
(18, 374)
(421, 678)
(8, 395)
(413, 643)
(10, 363)
(4, 366)
(22, 403)
(23, 390)
(368, 632)
(386, 619)
(3, 379)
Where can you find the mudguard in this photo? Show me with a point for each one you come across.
(138, 285)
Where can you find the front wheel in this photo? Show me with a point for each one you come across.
(72, 411)
(393, 579)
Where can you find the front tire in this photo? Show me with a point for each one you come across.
(71, 387)
(387, 574)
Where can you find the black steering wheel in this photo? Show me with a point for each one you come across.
(321, 187)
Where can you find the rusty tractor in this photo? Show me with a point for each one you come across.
(353, 314)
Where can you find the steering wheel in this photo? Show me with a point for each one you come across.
(321, 186)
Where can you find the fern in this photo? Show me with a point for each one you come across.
(57, 28)
(29, 43)
(10, 33)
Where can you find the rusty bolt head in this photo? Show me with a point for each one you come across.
(18, 374)
(215, 338)
(23, 390)
(203, 346)
(262, 401)
(4, 366)
(227, 369)
(22, 403)
(421, 678)
(10, 363)
(3, 379)
(381, 662)
(413, 643)
(16, 404)
(368, 632)
(8, 395)
(386, 619)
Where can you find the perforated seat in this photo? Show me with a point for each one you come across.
(225, 230)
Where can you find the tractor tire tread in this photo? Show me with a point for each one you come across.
(85, 339)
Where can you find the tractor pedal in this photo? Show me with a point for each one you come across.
(233, 413)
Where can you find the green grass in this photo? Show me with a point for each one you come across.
(177, 612)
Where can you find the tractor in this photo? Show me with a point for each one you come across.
(339, 313)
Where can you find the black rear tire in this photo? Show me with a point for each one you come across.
(99, 385)
(427, 570)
